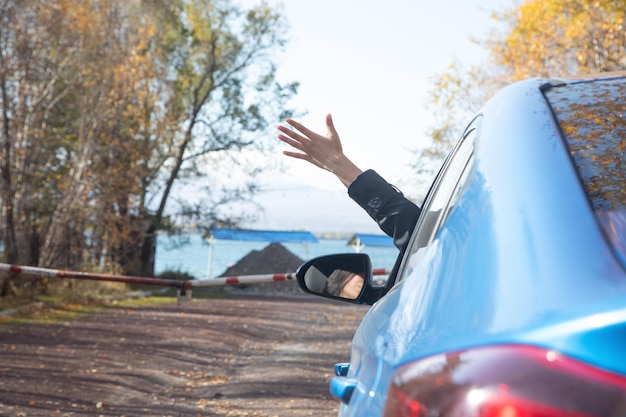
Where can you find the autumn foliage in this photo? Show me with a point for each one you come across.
(561, 37)
(537, 38)
(106, 105)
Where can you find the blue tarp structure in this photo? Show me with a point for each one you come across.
(263, 235)
(361, 240)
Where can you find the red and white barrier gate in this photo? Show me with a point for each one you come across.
(182, 286)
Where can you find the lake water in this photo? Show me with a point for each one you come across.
(191, 253)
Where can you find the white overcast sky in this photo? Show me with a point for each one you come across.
(369, 63)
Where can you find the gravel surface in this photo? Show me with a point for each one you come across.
(247, 355)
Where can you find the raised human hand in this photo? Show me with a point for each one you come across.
(324, 152)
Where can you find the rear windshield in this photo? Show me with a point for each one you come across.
(593, 118)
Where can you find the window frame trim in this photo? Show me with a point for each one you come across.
(473, 126)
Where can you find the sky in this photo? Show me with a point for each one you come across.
(370, 64)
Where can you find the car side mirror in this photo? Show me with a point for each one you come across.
(345, 276)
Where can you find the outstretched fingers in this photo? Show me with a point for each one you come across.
(322, 151)
(305, 157)
(300, 128)
(305, 142)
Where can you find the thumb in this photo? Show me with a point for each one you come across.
(331, 131)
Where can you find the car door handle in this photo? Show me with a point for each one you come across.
(341, 369)
(342, 388)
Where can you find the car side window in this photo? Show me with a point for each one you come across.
(446, 191)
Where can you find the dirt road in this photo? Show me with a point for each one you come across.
(258, 356)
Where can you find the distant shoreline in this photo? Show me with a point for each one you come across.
(319, 235)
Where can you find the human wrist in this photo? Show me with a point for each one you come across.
(347, 172)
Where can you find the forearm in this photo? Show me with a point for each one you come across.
(395, 215)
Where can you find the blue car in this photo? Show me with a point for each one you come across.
(510, 298)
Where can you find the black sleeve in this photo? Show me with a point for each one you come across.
(395, 215)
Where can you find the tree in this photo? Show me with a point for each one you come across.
(538, 38)
(34, 80)
(98, 118)
(548, 38)
(107, 105)
(222, 94)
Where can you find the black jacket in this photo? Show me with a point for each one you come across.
(395, 215)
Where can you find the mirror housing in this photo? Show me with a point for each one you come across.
(346, 277)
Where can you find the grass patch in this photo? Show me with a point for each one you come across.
(67, 300)
(39, 312)
(45, 309)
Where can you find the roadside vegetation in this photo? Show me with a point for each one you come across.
(76, 299)
(107, 106)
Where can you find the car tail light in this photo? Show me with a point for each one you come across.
(505, 381)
